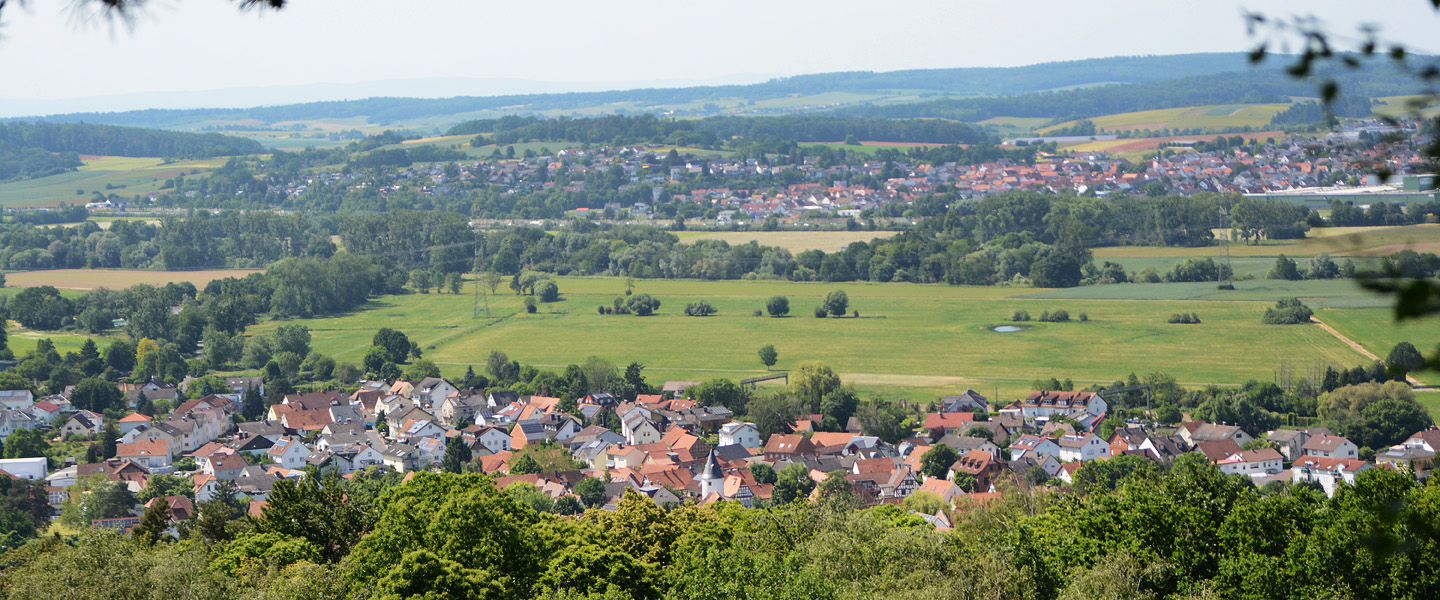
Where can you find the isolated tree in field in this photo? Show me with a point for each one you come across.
(836, 303)
(396, 344)
(1403, 359)
(777, 306)
(548, 291)
(768, 355)
(1285, 269)
(702, 308)
(936, 461)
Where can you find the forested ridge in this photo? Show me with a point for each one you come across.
(1145, 82)
(1127, 530)
(1241, 87)
(84, 138)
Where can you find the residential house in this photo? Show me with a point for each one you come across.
(1046, 462)
(414, 431)
(560, 426)
(493, 439)
(46, 410)
(968, 401)
(981, 465)
(638, 429)
(400, 457)
(1415, 460)
(432, 391)
(740, 433)
(460, 407)
(83, 424)
(788, 447)
(501, 398)
(1331, 446)
(1194, 432)
(129, 422)
(1048, 403)
(946, 423)
(1329, 472)
(151, 454)
(16, 400)
(524, 434)
(1084, 448)
(1265, 461)
(289, 452)
(15, 420)
(1217, 450)
(945, 489)
(224, 466)
(1027, 445)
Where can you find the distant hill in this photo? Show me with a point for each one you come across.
(962, 82)
(29, 150)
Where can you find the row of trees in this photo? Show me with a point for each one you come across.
(1129, 530)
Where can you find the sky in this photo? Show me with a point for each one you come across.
(49, 52)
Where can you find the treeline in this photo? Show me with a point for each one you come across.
(1346, 214)
(82, 138)
(1304, 113)
(20, 162)
(708, 132)
(1127, 529)
(230, 239)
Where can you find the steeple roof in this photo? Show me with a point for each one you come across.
(711, 471)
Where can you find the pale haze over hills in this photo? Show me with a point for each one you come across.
(208, 54)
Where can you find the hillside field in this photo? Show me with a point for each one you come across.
(1213, 116)
(912, 340)
(137, 175)
(86, 279)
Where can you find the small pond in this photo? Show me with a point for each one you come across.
(1010, 328)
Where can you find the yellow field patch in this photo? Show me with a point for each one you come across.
(87, 279)
(794, 241)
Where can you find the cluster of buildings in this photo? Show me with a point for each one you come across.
(1271, 166)
(667, 445)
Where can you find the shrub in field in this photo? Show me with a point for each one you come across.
(1185, 318)
(1288, 311)
(1020, 315)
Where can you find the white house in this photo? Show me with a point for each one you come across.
(433, 390)
(1255, 463)
(745, 435)
(1045, 403)
(638, 430)
(1328, 472)
(1028, 445)
(16, 400)
(15, 420)
(1330, 446)
(289, 452)
(1083, 448)
(151, 454)
(414, 431)
(493, 439)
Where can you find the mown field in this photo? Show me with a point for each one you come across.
(1360, 244)
(1216, 116)
(86, 279)
(914, 340)
(137, 175)
(794, 241)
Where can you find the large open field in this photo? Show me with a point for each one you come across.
(125, 176)
(794, 241)
(85, 279)
(1213, 116)
(916, 340)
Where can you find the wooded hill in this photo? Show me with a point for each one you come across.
(1112, 85)
(29, 150)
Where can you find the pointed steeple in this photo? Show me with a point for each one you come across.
(711, 471)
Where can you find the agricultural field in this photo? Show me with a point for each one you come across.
(915, 341)
(1405, 106)
(86, 279)
(1360, 244)
(1212, 116)
(794, 241)
(136, 175)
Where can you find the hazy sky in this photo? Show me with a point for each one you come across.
(48, 53)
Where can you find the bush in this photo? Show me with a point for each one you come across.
(836, 303)
(1185, 318)
(642, 305)
(1288, 311)
(548, 291)
(821, 313)
(1084, 318)
(1020, 315)
(1059, 316)
(778, 306)
(702, 308)
(530, 305)
(759, 313)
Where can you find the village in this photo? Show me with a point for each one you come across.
(665, 446)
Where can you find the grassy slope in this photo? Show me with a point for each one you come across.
(138, 175)
(1220, 115)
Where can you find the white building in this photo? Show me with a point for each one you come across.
(1083, 448)
(745, 435)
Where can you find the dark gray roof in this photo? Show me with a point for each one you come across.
(711, 471)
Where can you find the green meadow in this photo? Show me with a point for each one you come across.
(125, 176)
(910, 340)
